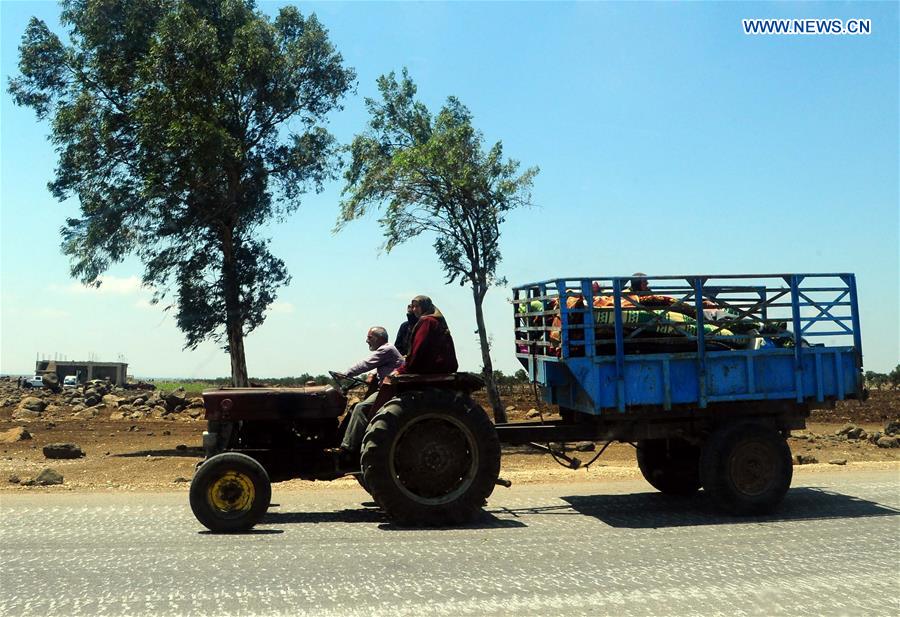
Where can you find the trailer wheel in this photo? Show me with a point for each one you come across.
(746, 469)
(671, 466)
(230, 492)
(431, 458)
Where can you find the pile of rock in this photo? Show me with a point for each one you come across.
(887, 439)
(99, 399)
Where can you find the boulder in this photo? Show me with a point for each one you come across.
(585, 446)
(63, 450)
(15, 434)
(26, 414)
(845, 430)
(99, 386)
(806, 459)
(176, 398)
(92, 400)
(159, 412)
(856, 433)
(195, 412)
(892, 427)
(837, 461)
(33, 403)
(117, 415)
(874, 437)
(45, 478)
(111, 400)
(888, 442)
(14, 479)
(197, 401)
(533, 413)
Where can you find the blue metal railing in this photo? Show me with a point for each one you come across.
(609, 321)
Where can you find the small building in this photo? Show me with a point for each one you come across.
(115, 372)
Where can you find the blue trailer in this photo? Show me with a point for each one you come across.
(705, 374)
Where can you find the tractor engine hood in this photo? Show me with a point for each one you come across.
(229, 404)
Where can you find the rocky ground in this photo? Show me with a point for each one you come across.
(99, 437)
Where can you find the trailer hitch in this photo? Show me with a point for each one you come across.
(571, 462)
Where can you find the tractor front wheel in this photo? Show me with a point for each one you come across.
(230, 492)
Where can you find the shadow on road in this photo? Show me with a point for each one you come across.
(186, 453)
(249, 532)
(655, 510)
(375, 515)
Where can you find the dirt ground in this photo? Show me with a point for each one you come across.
(159, 454)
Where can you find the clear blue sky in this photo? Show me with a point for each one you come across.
(668, 142)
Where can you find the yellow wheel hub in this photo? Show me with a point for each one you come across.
(233, 493)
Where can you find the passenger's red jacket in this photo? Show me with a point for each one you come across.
(431, 350)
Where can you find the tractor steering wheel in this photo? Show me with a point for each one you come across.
(339, 378)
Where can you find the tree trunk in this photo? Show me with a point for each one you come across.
(234, 326)
(488, 370)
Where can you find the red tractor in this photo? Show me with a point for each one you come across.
(430, 455)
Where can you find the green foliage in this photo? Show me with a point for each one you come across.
(434, 176)
(191, 387)
(182, 126)
(194, 387)
(883, 381)
(894, 377)
(516, 384)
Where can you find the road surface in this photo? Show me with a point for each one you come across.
(574, 549)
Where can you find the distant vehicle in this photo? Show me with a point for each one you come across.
(35, 382)
(70, 381)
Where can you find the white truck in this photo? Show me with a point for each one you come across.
(35, 382)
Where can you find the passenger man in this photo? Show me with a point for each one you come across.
(404, 333)
(431, 348)
(384, 359)
(639, 282)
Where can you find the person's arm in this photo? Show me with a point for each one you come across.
(373, 361)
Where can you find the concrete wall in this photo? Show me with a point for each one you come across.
(114, 371)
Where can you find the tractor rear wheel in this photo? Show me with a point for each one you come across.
(672, 466)
(746, 468)
(230, 492)
(431, 458)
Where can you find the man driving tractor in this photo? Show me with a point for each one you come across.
(431, 351)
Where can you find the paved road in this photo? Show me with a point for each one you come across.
(832, 550)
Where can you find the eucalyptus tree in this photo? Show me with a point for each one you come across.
(182, 127)
(431, 174)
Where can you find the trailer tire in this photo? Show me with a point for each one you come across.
(431, 458)
(746, 469)
(672, 466)
(230, 492)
